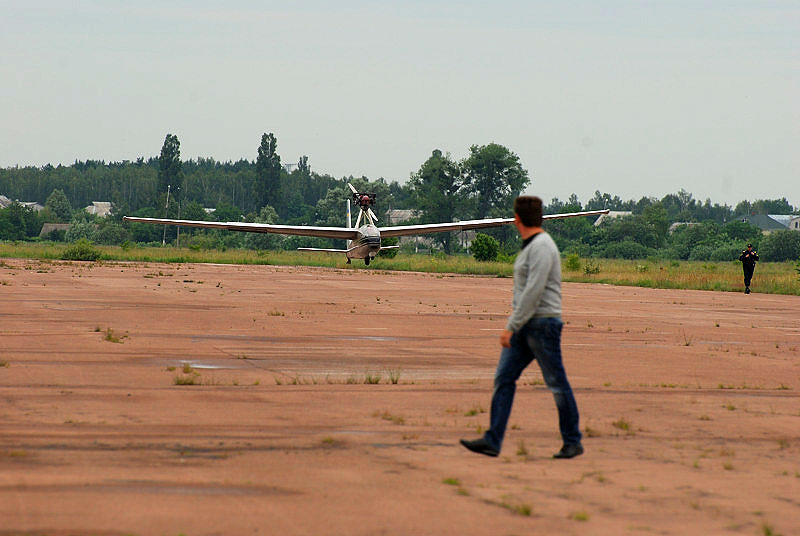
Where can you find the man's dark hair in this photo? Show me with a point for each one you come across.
(529, 208)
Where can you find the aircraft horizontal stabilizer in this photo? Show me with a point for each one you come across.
(324, 249)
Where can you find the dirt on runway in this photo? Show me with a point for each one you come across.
(688, 399)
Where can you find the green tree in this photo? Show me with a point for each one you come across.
(780, 246)
(437, 191)
(169, 165)
(58, 205)
(78, 230)
(264, 240)
(494, 177)
(485, 247)
(268, 171)
(18, 222)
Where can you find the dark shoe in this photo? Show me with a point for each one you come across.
(481, 446)
(747, 290)
(569, 451)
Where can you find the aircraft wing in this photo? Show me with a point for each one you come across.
(427, 228)
(300, 230)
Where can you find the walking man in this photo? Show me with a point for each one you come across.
(533, 331)
(748, 258)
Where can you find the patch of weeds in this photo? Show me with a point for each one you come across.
(687, 340)
(767, 530)
(521, 509)
(278, 381)
(171, 368)
(187, 368)
(580, 515)
(521, 449)
(111, 337)
(589, 324)
(728, 466)
(394, 375)
(591, 432)
(729, 407)
(474, 411)
(622, 424)
(372, 378)
(462, 491)
(451, 481)
(4, 364)
(329, 442)
(591, 267)
(783, 443)
(386, 416)
(276, 313)
(187, 379)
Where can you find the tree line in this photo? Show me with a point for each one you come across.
(481, 185)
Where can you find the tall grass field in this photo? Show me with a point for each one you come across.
(770, 278)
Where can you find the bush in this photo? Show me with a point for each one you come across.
(702, 253)
(81, 250)
(573, 262)
(389, 253)
(80, 230)
(111, 234)
(627, 249)
(727, 252)
(485, 247)
(780, 246)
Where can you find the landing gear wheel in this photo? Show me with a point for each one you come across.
(366, 261)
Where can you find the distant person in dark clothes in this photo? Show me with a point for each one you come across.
(748, 258)
(533, 331)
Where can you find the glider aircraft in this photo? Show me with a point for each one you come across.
(363, 241)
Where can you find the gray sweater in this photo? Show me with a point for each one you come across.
(537, 282)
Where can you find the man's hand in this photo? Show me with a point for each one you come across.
(505, 338)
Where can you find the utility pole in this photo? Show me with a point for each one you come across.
(178, 238)
(164, 236)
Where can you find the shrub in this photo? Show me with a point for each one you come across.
(701, 253)
(82, 250)
(80, 230)
(111, 234)
(485, 247)
(573, 262)
(627, 249)
(726, 252)
(389, 253)
(780, 246)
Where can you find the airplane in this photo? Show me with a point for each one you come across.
(363, 241)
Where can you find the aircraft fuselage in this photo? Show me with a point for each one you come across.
(367, 245)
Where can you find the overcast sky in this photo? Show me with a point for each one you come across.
(630, 98)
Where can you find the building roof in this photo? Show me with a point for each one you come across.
(680, 223)
(770, 222)
(99, 208)
(398, 215)
(33, 205)
(50, 227)
(612, 214)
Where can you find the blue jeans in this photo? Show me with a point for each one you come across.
(539, 339)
